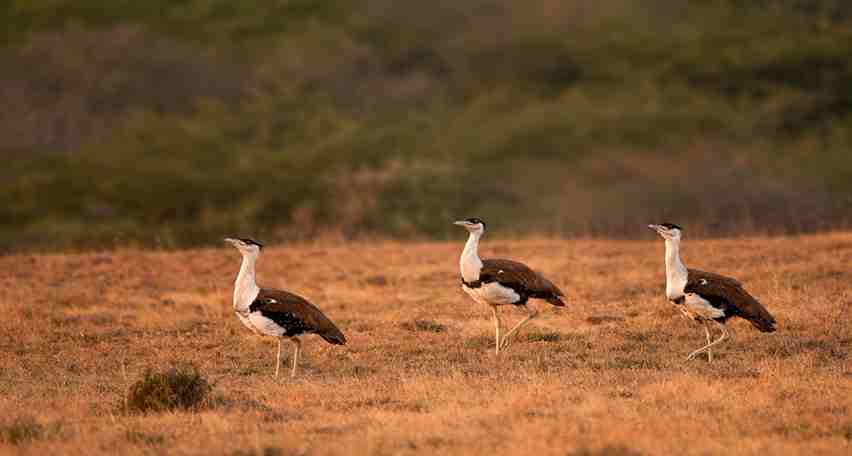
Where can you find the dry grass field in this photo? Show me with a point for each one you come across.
(604, 376)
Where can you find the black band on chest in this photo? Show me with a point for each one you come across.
(474, 284)
(680, 299)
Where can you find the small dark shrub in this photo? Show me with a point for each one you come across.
(180, 387)
(424, 325)
(21, 430)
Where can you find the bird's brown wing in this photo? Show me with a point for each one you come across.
(728, 294)
(520, 277)
(698, 274)
(292, 311)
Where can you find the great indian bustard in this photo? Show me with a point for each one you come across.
(276, 313)
(705, 297)
(501, 282)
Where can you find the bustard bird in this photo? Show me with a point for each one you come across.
(501, 282)
(276, 313)
(705, 297)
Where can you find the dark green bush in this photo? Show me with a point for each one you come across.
(170, 124)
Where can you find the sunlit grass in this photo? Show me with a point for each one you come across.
(419, 375)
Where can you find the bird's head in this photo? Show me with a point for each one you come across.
(474, 225)
(668, 231)
(246, 246)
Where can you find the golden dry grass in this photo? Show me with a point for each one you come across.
(605, 375)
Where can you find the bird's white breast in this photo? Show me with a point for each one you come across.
(244, 319)
(492, 293)
(675, 284)
(698, 308)
(676, 272)
(244, 295)
(470, 266)
(264, 325)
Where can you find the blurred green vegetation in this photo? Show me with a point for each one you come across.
(173, 123)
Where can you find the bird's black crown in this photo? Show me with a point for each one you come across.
(251, 242)
(475, 220)
(670, 226)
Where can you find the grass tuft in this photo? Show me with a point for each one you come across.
(545, 337)
(181, 387)
(600, 319)
(143, 438)
(424, 326)
(377, 280)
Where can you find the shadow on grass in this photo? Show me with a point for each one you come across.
(828, 351)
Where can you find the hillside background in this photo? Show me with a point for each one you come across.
(172, 123)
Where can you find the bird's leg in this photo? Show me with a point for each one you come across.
(278, 358)
(296, 350)
(707, 347)
(531, 314)
(707, 331)
(496, 330)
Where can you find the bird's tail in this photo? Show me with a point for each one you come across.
(765, 322)
(334, 336)
(758, 316)
(550, 293)
(555, 300)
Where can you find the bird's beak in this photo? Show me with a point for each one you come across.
(654, 227)
(231, 241)
(461, 223)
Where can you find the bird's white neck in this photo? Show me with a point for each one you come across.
(245, 287)
(676, 273)
(470, 262)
